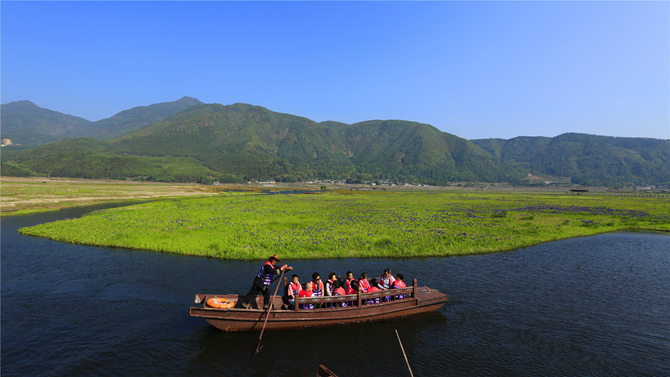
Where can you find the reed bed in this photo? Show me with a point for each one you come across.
(338, 225)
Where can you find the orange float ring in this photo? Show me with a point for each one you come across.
(220, 303)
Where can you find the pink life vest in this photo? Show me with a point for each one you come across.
(267, 279)
(364, 284)
(317, 289)
(329, 284)
(340, 291)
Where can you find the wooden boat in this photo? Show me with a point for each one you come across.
(328, 310)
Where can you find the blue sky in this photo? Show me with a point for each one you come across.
(473, 69)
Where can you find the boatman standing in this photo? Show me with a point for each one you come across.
(263, 280)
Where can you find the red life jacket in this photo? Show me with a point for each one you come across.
(383, 281)
(340, 291)
(376, 299)
(304, 293)
(350, 291)
(399, 284)
(295, 287)
(348, 282)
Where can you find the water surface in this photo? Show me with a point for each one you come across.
(587, 306)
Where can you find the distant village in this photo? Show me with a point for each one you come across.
(344, 182)
(384, 184)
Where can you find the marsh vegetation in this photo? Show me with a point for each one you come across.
(344, 224)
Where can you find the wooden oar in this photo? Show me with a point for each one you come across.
(268, 316)
(403, 353)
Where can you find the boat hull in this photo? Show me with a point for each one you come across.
(239, 319)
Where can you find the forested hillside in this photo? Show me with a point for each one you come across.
(30, 125)
(27, 124)
(239, 142)
(136, 118)
(587, 159)
(187, 140)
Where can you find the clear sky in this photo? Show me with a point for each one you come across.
(473, 69)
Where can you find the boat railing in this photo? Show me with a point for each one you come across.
(357, 300)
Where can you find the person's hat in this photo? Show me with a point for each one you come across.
(275, 257)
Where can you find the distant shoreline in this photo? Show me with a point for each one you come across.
(12, 205)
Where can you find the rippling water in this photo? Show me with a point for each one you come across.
(587, 306)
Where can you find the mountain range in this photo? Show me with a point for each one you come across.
(589, 160)
(187, 140)
(30, 125)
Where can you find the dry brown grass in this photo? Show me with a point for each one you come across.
(27, 195)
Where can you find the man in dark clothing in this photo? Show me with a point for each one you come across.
(262, 281)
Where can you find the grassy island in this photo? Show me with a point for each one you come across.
(356, 224)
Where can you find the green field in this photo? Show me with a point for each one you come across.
(345, 224)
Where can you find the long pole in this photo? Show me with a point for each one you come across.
(403, 353)
(268, 316)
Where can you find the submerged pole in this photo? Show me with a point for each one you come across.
(403, 353)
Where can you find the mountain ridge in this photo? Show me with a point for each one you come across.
(241, 141)
(27, 124)
(587, 159)
(246, 141)
(137, 117)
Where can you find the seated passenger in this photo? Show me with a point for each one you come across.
(339, 280)
(363, 282)
(317, 286)
(329, 283)
(353, 289)
(294, 288)
(307, 292)
(348, 280)
(328, 289)
(339, 291)
(399, 283)
(386, 280)
(374, 287)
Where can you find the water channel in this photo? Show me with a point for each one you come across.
(596, 306)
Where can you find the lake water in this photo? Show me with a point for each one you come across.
(596, 306)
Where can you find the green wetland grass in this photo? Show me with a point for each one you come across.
(339, 225)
